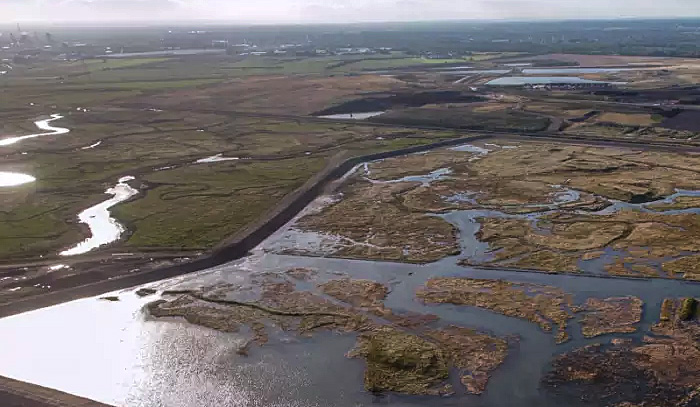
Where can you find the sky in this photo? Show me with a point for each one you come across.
(337, 11)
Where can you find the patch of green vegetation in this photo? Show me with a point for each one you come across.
(377, 146)
(667, 307)
(487, 56)
(101, 64)
(197, 207)
(33, 222)
(185, 205)
(401, 362)
(147, 85)
(16, 101)
(393, 63)
(688, 308)
(278, 66)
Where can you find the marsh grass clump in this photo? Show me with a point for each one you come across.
(475, 355)
(667, 308)
(401, 362)
(144, 292)
(611, 315)
(547, 306)
(688, 309)
(359, 293)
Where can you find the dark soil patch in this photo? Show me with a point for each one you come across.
(689, 95)
(600, 377)
(465, 119)
(688, 120)
(399, 100)
(585, 116)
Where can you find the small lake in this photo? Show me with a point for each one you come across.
(540, 80)
(558, 71)
(353, 116)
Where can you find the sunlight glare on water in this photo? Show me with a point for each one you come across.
(42, 125)
(11, 179)
(103, 228)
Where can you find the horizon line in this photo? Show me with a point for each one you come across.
(215, 22)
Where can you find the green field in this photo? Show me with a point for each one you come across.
(190, 206)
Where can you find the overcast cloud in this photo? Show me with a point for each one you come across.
(336, 11)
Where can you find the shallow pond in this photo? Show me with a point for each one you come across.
(426, 179)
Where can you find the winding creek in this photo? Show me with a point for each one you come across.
(12, 179)
(113, 353)
(103, 228)
(45, 125)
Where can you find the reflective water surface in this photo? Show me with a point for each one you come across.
(539, 80)
(215, 159)
(103, 228)
(353, 116)
(42, 125)
(12, 179)
(112, 352)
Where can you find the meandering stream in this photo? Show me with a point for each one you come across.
(12, 179)
(104, 229)
(45, 125)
